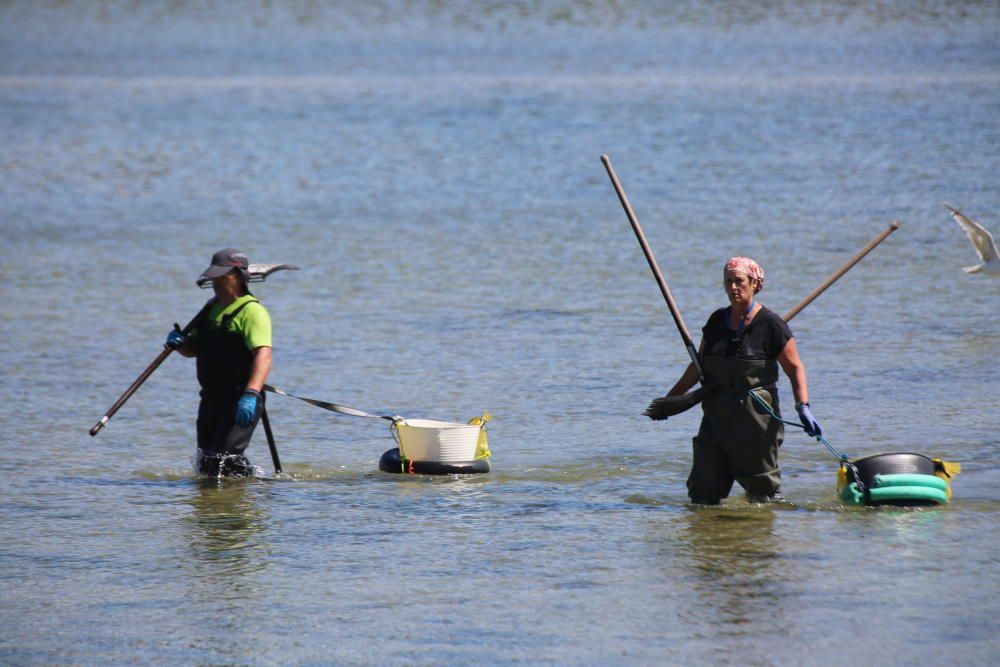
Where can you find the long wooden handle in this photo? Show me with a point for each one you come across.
(131, 390)
(668, 406)
(146, 373)
(664, 288)
(893, 226)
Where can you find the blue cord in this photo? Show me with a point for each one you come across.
(833, 450)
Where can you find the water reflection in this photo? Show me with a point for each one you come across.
(226, 538)
(733, 562)
(226, 525)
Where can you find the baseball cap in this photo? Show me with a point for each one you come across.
(225, 261)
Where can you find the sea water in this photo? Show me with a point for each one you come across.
(434, 169)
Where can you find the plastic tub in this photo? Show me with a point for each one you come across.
(901, 479)
(444, 442)
(892, 464)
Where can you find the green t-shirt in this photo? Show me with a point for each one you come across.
(253, 322)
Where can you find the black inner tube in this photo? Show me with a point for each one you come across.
(391, 461)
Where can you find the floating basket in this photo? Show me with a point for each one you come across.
(901, 480)
(442, 442)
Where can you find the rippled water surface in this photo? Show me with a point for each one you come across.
(434, 169)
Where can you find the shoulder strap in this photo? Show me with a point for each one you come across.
(227, 320)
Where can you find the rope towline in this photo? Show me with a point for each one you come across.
(482, 446)
(333, 407)
(767, 408)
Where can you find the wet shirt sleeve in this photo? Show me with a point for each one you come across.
(774, 334)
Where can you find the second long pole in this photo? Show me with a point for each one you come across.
(660, 280)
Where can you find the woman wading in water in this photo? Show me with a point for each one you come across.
(741, 349)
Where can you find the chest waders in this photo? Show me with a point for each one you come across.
(224, 365)
(737, 440)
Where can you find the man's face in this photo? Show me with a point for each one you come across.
(227, 283)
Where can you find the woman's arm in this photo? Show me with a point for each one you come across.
(795, 370)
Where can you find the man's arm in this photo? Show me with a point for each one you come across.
(260, 368)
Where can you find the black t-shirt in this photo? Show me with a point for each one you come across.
(764, 338)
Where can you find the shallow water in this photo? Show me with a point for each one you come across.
(435, 171)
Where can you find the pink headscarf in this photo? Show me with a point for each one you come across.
(749, 267)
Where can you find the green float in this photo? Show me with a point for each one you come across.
(900, 479)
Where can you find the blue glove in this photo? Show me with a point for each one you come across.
(808, 421)
(247, 407)
(175, 338)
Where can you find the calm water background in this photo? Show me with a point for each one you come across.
(434, 169)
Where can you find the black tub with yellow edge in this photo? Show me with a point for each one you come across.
(899, 479)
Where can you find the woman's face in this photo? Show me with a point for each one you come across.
(739, 287)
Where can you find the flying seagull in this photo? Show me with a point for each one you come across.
(983, 242)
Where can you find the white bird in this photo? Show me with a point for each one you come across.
(982, 240)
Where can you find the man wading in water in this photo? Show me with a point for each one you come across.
(232, 343)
